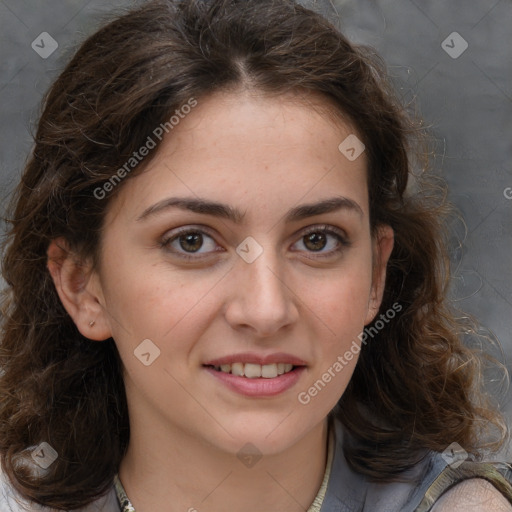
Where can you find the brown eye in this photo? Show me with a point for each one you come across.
(191, 242)
(186, 243)
(321, 237)
(315, 241)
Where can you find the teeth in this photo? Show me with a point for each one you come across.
(237, 369)
(269, 371)
(254, 371)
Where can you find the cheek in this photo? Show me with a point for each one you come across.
(341, 303)
(148, 301)
(162, 318)
(341, 300)
(344, 315)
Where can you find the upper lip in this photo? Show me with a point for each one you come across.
(251, 357)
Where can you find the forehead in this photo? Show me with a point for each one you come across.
(250, 145)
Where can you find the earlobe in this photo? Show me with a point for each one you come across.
(78, 290)
(382, 248)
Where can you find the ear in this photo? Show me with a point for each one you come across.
(382, 247)
(79, 290)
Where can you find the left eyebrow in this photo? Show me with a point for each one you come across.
(217, 209)
(332, 204)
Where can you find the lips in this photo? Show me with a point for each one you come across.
(258, 387)
(255, 374)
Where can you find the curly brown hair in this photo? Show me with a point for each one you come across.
(416, 386)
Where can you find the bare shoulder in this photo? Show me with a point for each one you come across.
(474, 495)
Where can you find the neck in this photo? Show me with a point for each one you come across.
(174, 468)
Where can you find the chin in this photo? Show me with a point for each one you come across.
(267, 434)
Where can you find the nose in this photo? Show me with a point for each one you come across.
(261, 299)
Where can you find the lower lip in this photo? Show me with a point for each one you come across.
(259, 386)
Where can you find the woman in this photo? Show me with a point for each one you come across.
(220, 292)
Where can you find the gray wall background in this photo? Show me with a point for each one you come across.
(461, 84)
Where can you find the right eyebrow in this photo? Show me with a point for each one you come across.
(195, 205)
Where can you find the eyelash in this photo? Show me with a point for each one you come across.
(324, 229)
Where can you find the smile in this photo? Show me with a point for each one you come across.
(255, 371)
(257, 380)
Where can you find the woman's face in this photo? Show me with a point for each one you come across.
(245, 242)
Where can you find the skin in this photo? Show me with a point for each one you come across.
(474, 495)
(264, 156)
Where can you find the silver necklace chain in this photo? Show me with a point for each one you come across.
(124, 503)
